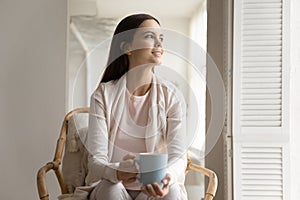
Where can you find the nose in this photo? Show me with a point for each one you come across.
(158, 43)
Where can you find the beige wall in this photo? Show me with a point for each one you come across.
(32, 91)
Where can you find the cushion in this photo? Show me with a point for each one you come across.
(74, 164)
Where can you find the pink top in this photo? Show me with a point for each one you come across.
(130, 136)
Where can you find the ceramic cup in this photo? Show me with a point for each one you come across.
(152, 167)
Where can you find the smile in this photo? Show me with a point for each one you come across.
(157, 53)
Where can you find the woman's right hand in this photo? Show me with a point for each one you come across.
(127, 171)
(126, 177)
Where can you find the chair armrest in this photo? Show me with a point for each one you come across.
(41, 175)
(41, 179)
(213, 179)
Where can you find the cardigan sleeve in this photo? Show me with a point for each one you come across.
(176, 136)
(97, 143)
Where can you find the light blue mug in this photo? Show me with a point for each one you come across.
(152, 167)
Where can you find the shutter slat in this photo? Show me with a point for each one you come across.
(261, 197)
(262, 166)
(261, 32)
(261, 53)
(261, 102)
(262, 37)
(261, 107)
(260, 22)
(261, 123)
(261, 27)
(262, 6)
(259, 188)
(262, 161)
(263, 182)
(268, 49)
(261, 149)
(261, 113)
(261, 75)
(262, 11)
(260, 177)
(262, 85)
(255, 59)
(263, 16)
(260, 172)
(260, 154)
(262, 80)
(261, 1)
(256, 66)
(261, 118)
(262, 91)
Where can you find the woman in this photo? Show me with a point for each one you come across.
(134, 111)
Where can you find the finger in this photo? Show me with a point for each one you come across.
(166, 180)
(124, 175)
(127, 163)
(151, 191)
(128, 166)
(157, 189)
(144, 190)
(129, 156)
(130, 175)
(130, 180)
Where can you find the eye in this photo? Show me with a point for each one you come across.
(151, 36)
(161, 39)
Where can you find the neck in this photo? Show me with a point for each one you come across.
(139, 80)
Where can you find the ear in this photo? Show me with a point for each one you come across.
(125, 47)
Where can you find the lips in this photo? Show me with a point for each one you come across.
(157, 53)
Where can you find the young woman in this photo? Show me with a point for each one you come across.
(134, 111)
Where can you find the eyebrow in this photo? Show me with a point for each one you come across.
(161, 35)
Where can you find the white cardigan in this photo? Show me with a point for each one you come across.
(165, 132)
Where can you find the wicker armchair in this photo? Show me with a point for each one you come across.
(56, 165)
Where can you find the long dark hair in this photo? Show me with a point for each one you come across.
(118, 62)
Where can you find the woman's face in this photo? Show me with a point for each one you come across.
(146, 46)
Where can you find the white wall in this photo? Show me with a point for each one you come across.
(295, 98)
(177, 24)
(96, 35)
(32, 91)
(174, 68)
(197, 74)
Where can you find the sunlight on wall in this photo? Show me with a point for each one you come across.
(198, 30)
(197, 79)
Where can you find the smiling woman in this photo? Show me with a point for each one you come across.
(146, 47)
(134, 111)
(88, 62)
(129, 44)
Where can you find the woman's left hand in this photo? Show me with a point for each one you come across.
(154, 190)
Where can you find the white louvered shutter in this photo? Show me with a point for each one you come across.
(260, 100)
